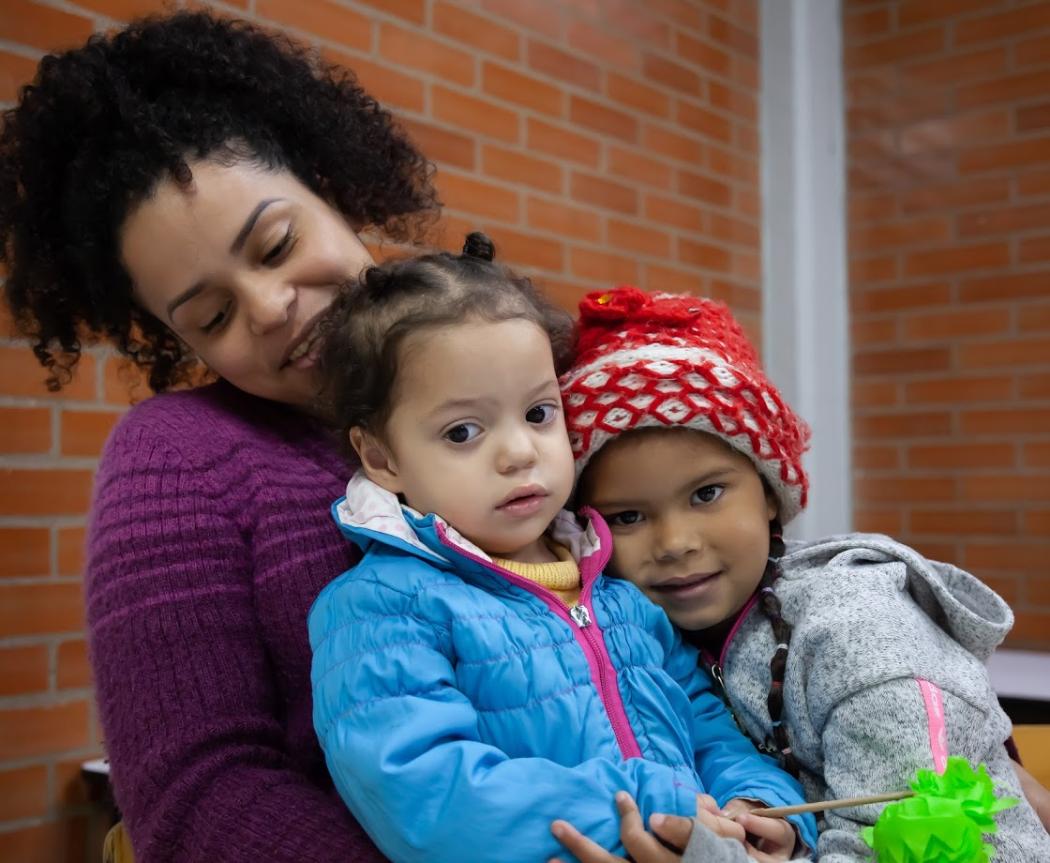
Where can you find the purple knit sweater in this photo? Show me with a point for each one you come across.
(211, 536)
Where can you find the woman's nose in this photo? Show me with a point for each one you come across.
(268, 304)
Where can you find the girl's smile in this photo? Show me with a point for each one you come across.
(688, 588)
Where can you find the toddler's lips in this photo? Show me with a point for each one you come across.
(524, 501)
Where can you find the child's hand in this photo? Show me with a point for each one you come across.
(718, 822)
(768, 840)
(643, 847)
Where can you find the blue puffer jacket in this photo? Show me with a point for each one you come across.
(462, 708)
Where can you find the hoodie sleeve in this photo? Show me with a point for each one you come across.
(876, 739)
(726, 760)
(705, 847)
(403, 746)
(888, 691)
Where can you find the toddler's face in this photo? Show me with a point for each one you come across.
(690, 521)
(478, 434)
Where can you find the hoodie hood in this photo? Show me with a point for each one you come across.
(962, 605)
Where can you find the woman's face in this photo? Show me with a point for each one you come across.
(241, 265)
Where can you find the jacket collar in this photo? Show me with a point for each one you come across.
(370, 516)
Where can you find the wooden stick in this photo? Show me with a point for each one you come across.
(821, 805)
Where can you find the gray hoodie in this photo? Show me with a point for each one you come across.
(885, 643)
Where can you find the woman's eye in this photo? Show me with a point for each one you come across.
(624, 519)
(463, 433)
(218, 320)
(708, 493)
(279, 250)
(541, 414)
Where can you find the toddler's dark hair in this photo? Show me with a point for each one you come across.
(369, 321)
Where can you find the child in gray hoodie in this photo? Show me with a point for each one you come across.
(853, 660)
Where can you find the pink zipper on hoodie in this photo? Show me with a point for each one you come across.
(583, 625)
(717, 666)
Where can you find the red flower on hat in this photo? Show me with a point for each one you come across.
(607, 314)
(613, 307)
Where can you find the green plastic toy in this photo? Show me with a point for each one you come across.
(946, 820)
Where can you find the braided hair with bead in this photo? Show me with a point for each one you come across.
(770, 605)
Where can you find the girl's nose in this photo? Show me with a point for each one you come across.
(676, 537)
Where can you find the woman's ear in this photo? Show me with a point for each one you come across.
(772, 507)
(376, 460)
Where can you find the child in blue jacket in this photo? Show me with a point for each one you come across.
(475, 677)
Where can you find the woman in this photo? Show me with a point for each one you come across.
(190, 188)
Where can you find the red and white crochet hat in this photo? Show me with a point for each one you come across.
(658, 360)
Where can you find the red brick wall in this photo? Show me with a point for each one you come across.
(597, 141)
(949, 179)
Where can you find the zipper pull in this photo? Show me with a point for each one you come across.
(716, 673)
(580, 615)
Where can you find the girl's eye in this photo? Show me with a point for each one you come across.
(463, 433)
(278, 251)
(708, 494)
(627, 518)
(541, 414)
(217, 321)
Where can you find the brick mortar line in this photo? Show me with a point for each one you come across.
(45, 639)
(61, 698)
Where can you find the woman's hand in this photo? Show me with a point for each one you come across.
(1038, 797)
(768, 840)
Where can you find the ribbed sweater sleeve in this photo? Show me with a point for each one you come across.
(196, 729)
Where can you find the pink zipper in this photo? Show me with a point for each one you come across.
(716, 667)
(591, 641)
(590, 569)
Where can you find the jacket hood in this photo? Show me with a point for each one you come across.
(370, 516)
(966, 608)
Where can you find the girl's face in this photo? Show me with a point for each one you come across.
(690, 521)
(241, 265)
(477, 434)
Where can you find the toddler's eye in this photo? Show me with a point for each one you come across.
(541, 414)
(624, 519)
(708, 494)
(463, 433)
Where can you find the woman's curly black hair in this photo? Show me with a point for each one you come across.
(100, 126)
(367, 324)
